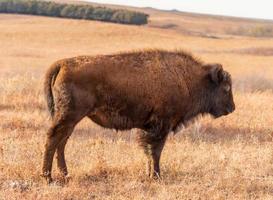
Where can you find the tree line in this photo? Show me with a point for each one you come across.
(88, 12)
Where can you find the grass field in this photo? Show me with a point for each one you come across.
(227, 158)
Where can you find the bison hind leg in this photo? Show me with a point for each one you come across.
(152, 147)
(57, 136)
(61, 157)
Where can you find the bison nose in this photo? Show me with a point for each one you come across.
(231, 108)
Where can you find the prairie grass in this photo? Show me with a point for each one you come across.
(253, 31)
(226, 158)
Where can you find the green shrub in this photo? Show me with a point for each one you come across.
(46, 8)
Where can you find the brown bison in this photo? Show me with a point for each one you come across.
(154, 91)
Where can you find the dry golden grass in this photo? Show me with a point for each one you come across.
(227, 158)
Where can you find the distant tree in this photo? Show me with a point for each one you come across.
(98, 13)
(80, 12)
(88, 12)
(32, 7)
(54, 9)
(3, 6)
(47, 8)
(10, 7)
(107, 15)
(19, 7)
(139, 19)
(69, 11)
(121, 16)
(42, 8)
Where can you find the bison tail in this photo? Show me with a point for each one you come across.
(49, 82)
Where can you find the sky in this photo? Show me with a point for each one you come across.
(262, 9)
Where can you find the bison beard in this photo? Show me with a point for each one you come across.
(155, 91)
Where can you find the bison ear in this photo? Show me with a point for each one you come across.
(216, 73)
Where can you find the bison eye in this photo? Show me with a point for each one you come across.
(227, 88)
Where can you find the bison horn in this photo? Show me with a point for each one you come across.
(216, 73)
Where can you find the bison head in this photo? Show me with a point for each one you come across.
(220, 85)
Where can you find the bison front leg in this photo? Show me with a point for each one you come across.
(153, 153)
(152, 146)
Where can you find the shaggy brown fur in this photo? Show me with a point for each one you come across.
(154, 91)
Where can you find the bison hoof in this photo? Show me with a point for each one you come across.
(67, 178)
(47, 177)
(63, 180)
(155, 176)
(49, 180)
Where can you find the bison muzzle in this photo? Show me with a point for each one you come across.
(154, 91)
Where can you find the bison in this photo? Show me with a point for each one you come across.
(154, 91)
